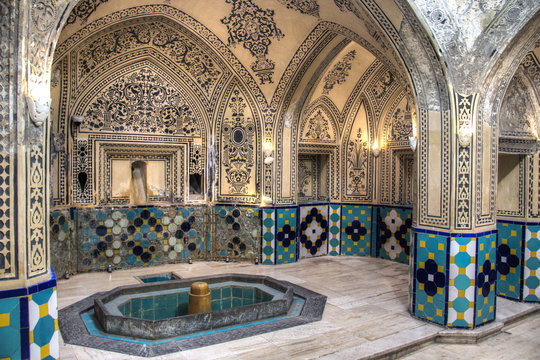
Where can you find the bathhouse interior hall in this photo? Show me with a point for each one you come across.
(339, 178)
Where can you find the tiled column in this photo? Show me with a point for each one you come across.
(28, 315)
(454, 244)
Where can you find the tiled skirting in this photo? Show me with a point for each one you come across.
(518, 260)
(29, 322)
(86, 239)
(453, 277)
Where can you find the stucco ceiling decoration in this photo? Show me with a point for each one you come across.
(254, 28)
(470, 33)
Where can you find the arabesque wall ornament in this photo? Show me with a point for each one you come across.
(141, 101)
(253, 27)
(238, 155)
(340, 71)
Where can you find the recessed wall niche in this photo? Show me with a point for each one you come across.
(510, 187)
(131, 174)
(313, 177)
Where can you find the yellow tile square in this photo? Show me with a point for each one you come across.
(293, 215)
(461, 293)
(440, 268)
(45, 351)
(421, 307)
(431, 256)
(440, 246)
(482, 247)
(281, 216)
(350, 211)
(422, 243)
(462, 271)
(461, 315)
(439, 312)
(462, 248)
(513, 233)
(363, 212)
(43, 310)
(356, 218)
(280, 257)
(4, 320)
(512, 288)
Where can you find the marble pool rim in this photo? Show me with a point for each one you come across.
(74, 330)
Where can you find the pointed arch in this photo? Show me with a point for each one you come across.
(238, 143)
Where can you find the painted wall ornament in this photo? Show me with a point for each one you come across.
(316, 128)
(141, 101)
(238, 155)
(357, 165)
(308, 7)
(187, 54)
(339, 72)
(253, 27)
(83, 10)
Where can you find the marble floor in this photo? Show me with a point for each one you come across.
(365, 316)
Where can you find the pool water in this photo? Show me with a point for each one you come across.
(165, 306)
(158, 278)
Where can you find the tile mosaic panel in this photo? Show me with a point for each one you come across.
(412, 271)
(395, 234)
(334, 234)
(286, 234)
(237, 232)
(356, 230)
(461, 283)
(509, 265)
(43, 321)
(531, 277)
(486, 277)
(10, 327)
(140, 236)
(63, 241)
(430, 277)
(267, 241)
(313, 236)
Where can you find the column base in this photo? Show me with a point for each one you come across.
(29, 322)
(453, 277)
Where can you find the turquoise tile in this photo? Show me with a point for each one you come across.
(286, 235)
(356, 233)
(226, 292)
(147, 303)
(236, 292)
(486, 277)
(509, 262)
(430, 277)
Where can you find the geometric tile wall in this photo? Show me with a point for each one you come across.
(509, 260)
(237, 232)
(29, 322)
(334, 235)
(461, 284)
(486, 279)
(430, 277)
(395, 233)
(143, 236)
(518, 260)
(63, 241)
(454, 277)
(286, 235)
(313, 231)
(531, 271)
(86, 239)
(267, 242)
(356, 236)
